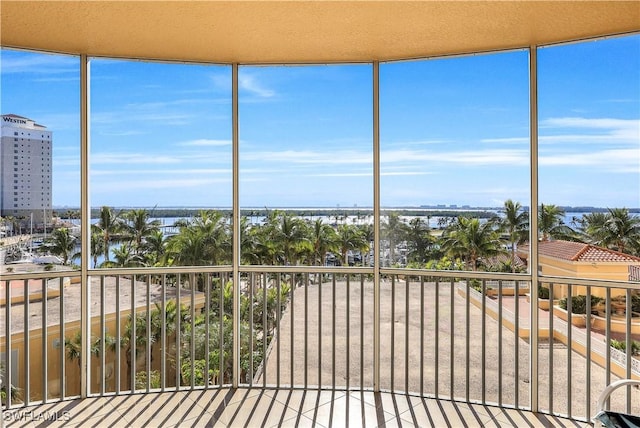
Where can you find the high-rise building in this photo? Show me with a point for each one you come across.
(25, 168)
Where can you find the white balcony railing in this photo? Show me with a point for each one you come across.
(456, 335)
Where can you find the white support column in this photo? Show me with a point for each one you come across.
(236, 228)
(376, 226)
(533, 227)
(85, 230)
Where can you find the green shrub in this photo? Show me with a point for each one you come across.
(48, 267)
(621, 345)
(543, 292)
(476, 285)
(14, 391)
(618, 344)
(154, 377)
(579, 304)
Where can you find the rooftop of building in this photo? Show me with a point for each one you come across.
(71, 303)
(15, 117)
(579, 252)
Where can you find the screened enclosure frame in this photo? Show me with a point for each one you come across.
(533, 276)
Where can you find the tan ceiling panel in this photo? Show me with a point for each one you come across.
(304, 31)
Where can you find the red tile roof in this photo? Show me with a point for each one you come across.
(580, 252)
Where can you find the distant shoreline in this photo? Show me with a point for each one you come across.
(435, 211)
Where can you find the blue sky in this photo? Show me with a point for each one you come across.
(453, 131)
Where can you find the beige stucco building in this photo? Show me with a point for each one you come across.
(579, 260)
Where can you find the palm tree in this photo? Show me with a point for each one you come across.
(349, 238)
(323, 240)
(15, 224)
(125, 256)
(203, 241)
(516, 224)
(171, 314)
(394, 231)
(367, 234)
(591, 228)
(551, 223)
(622, 230)
(288, 233)
(419, 240)
(73, 346)
(471, 240)
(248, 242)
(139, 342)
(97, 245)
(211, 224)
(264, 249)
(109, 224)
(187, 248)
(62, 243)
(138, 226)
(154, 247)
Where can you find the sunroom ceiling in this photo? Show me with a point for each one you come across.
(304, 31)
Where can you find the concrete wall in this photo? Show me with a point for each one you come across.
(596, 270)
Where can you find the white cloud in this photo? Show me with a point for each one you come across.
(483, 157)
(221, 81)
(311, 157)
(65, 161)
(155, 105)
(57, 79)
(203, 142)
(618, 130)
(246, 171)
(581, 122)
(622, 160)
(151, 158)
(162, 172)
(14, 62)
(601, 131)
(508, 140)
(622, 136)
(123, 116)
(621, 100)
(132, 115)
(342, 174)
(418, 143)
(132, 158)
(403, 173)
(250, 84)
(352, 157)
(129, 186)
(370, 174)
(124, 133)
